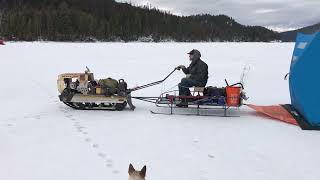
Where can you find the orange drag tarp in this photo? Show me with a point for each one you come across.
(276, 112)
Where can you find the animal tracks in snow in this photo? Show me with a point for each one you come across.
(69, 116)
(95, 145)
(83, 131)
(13, 121)
(7, 125)
(102, 155)
(37, 116)
(115, 172)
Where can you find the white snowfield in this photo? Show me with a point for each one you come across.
(42, 139)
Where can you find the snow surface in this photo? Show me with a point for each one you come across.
(42, 139)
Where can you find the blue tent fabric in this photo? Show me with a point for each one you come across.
(304, 79)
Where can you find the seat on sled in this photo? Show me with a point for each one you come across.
(197, 91)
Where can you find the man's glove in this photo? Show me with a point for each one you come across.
(180, 67)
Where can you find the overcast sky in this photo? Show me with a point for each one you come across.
(275, 14)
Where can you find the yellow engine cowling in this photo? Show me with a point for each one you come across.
(83, 79)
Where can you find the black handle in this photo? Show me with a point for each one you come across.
(226, 82)
(152, 84)
(234, 84)
(238, 84)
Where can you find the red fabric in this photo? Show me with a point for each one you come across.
(276, 112)
(1, 42)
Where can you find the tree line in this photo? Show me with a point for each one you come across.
(107, 20)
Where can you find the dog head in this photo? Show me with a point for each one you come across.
(137, 175)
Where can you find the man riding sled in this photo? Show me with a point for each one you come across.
(196, 75)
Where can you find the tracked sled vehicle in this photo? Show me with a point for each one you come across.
(82, 91)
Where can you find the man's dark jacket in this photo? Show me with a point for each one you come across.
(198, 71)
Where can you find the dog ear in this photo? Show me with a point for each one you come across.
(131, 169)
(143, 172)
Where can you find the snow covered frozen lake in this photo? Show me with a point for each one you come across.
(42, 139)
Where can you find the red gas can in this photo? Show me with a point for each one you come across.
(233, 95)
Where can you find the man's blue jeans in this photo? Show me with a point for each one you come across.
(184, 86)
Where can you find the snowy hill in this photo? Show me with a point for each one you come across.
(290, 36)
(41, 138)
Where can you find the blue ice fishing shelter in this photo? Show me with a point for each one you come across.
(304, 81)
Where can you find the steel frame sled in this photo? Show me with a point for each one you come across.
(201, 98)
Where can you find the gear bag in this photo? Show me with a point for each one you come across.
(214, 91)
(109, 85)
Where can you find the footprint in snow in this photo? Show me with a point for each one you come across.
(88, 140)
(69, 116)
(109, 165)
(102, 155)
(65, 111)
(115, 172)
(211, 156)
(81, 130)
(95, 145)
